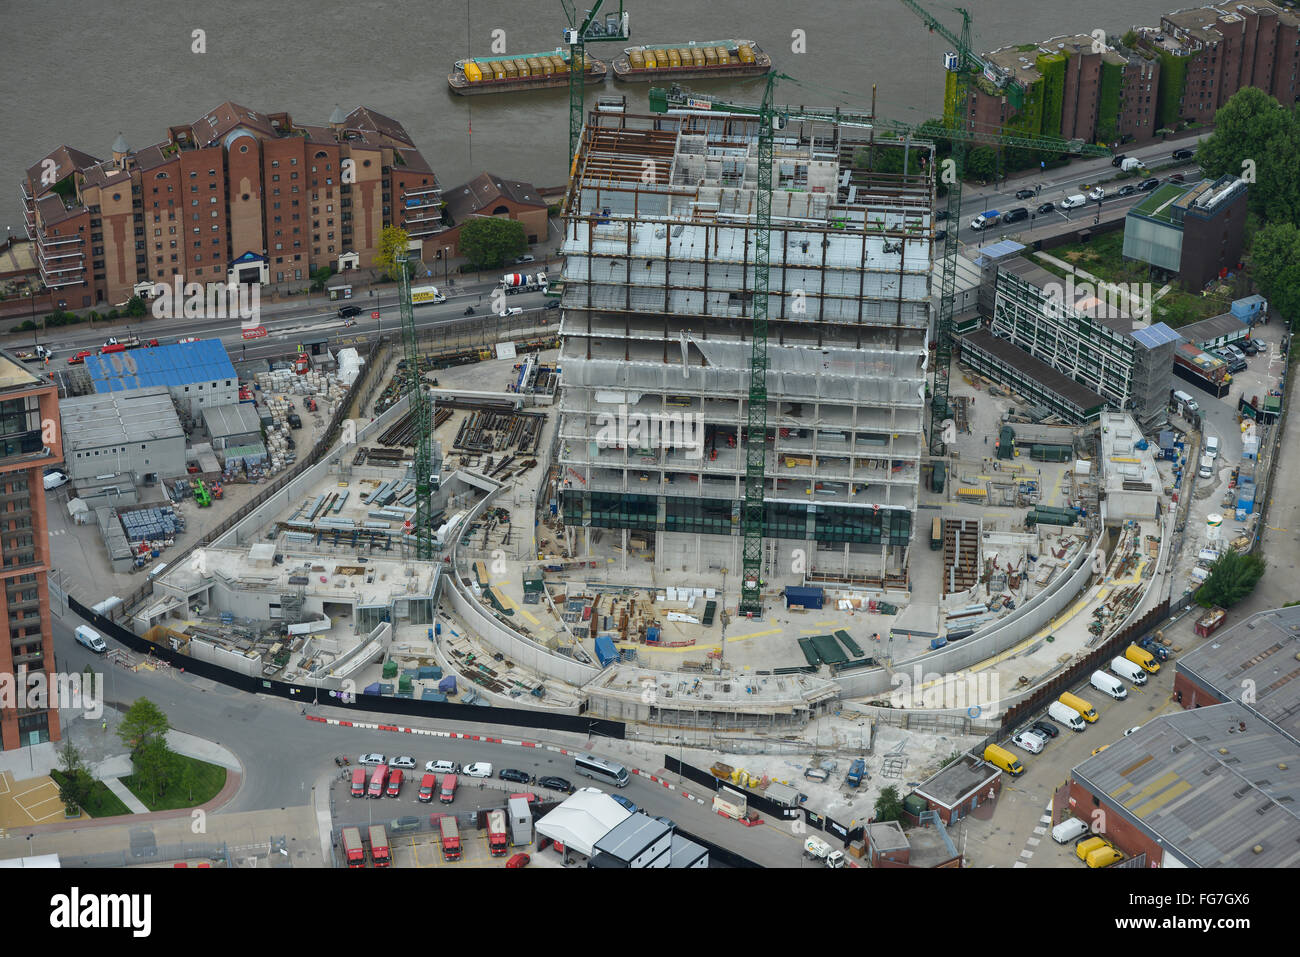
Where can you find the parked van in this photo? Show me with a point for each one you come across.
(448, 792)
(1127, 669)
(1104, 856)
(1064, 714)
(1078, 704)
(1070, 202)
(1207, 467)
(1108, 684)
(429, 784)
(378, 781)
(91, 639)
(1143, 658)
(395, 782)
(1069, 829)
(358, 782)
(1004, 759)
(1186, 401)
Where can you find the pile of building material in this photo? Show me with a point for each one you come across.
(157, 527)
(321, 384)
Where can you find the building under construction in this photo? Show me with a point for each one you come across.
(656, 343)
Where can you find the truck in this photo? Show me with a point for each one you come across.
(516, 282)
(426, 295)
(785, 795)
(733, 804)
(37, 354)
(450, 837)
(817, 849)
(447, 793)
(120, 345)
(1206, 372)
(496, 828)
(985, 219)
(354, 851)
(856, 772)
(521, 821)
(380, 855)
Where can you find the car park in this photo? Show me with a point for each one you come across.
(404, 761)
(554, 783)
(54, 478)
(1028, 741)
(514, 774)
(1046, 208)
(1183, 154)
(1251, 347)
(1024, 194)
(440, 767)
(479, 769)
(1045, 729)
(372, 760)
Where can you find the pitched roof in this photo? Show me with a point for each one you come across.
(66, 160)
(485, 191)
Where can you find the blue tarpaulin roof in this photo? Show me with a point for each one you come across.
(175, 365)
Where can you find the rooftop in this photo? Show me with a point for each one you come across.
(1159, 205)
(632, 836)
(172, 365)
(1078, 395)
(957, 781)
(14, 375)
(484, 191)
(95, 421)
(223, 421)
(1212, 328)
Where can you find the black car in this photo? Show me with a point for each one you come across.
(1149, 184)
(1118, 158)
(1178, 178)
(1250, 347)
(940, 215)
(1046, 208)
(553, 304)
(295, 421)
(1129, 189)
(555, 784)
(1045, 729)
(1015, 215)
(1024, 194)
(346, 312)
(514, 774)
(1183, 154)
(940, 235)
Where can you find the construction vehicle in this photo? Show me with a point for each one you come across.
(733, 804)
(817, 849)
(450, 837)
(38, 354)
(856, 772)
(580, 32)
(496, 828)
(380, 854)
(202, 497)
(354, 852)
(516, 282)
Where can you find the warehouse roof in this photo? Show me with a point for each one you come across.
(175, 365)
(95, 421)
(1213, 328)
(223, 421)
(1262, 654)
(1216, 786)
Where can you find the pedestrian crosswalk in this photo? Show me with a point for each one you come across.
(1044, 823)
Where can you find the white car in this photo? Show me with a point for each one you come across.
(479, 769)
(1212, 446)
(442, 767)
(1131, 730)
(1029, 741)
(372, 759)
(403, 761)
(54, 479)
(1096, 193)
(512, 311)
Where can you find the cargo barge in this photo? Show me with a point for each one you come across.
(717, 58)
(509, 74)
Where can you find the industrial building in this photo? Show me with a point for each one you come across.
(135, 434)
(1194, 232)
(1223, 330)
(1090, 336)
(26, 451)
(232, 426)
(197, 374)
(656, 345)
(959, 788)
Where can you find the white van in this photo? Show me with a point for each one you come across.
(1070, 202)
(1030, 741)
(1069, 829)
(91, 639)
(1064, 714)
(1127, 669)
(1186, 401)
(1207, 467)
(1108, 684)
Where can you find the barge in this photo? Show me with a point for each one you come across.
(714, 58)
(529, 71)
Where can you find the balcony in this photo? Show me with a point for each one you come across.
(422, 191)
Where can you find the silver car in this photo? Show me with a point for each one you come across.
(403, 761)
(372, 759)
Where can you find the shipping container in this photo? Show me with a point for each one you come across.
(637, 59)
(810, 597)
(512, 71)
(746, 53)
(472, 73)
(534, 66)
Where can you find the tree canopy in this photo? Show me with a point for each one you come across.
(393, 242)
(1231, 579)
(488, 241)
(143, 724)
(1257, 138)
(1275, 266)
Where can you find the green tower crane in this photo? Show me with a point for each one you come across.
(420, 418)
(577, 35)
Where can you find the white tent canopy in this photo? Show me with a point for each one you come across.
(582, 820)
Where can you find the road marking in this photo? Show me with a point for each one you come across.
(1034, 841)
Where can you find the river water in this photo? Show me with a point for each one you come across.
(79, 73)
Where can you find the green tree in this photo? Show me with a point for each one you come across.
(136, 307)
(1129, 39)
(152, 762)
(488, 241)
(889, 806)
(1254, 135)
(1275, 267)
(982, 163)
(143, 724)
(393, 243)
(76, 784)
(320, 276)
(1232, 578)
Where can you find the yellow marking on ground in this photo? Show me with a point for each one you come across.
(686, 649)
(1042, 633)
(810, 631)
(826, 624)
(755, 634)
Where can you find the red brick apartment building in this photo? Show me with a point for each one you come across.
(29, 443)
(234, 195)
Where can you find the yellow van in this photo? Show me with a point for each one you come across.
(1104, 856)
(1004, 759)
(1142, 658)
(1088, 845)
(1079, 705)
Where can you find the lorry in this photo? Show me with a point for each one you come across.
(426, 295)
(785, 795)
(380, 855)
(733, 804)
(521, 821)
(857, 770)
(120, 345)
(515, 282)
(817, 849)
(496, 828)
(354, 851)
(38, 354)
(985, 219)
(450, 837)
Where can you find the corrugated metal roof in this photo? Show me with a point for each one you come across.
(226, 420)
(175, 365)
(95, 421)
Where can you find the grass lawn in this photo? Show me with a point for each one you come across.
(1103, 256)
(102, 803)
(209, 779)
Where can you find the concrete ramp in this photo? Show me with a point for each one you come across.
(920, 619)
